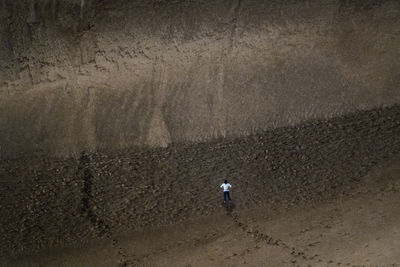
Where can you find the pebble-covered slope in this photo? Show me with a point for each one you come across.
(49, 202)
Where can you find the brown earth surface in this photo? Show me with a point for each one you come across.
(359, 227)
(73, 203)
(120, 119)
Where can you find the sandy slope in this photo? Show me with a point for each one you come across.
(103, 75)
(361, 227)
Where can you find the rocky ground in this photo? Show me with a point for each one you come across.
(95, 199)
(359, 227)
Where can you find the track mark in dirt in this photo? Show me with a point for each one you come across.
(123, 258)
(271, 241)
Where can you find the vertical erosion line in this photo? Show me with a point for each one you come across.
(82, 6)
(221, 116)
(35, 10)
(56, 6)
(221, 113)
(235, 24)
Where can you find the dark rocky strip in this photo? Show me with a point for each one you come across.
(53, 202)
(102, 228)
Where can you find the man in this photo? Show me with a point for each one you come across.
(226, 188)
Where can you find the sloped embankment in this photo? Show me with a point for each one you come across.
(54, 202)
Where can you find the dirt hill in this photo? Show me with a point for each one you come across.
(121, 117)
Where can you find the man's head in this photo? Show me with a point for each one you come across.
(226, 181)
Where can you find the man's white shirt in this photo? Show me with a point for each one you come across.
(226, 187)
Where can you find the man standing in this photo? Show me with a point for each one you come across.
(226, 188)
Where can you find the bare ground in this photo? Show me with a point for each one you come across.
(360, 227)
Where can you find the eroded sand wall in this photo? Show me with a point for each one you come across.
(87, 75)
(49, 202)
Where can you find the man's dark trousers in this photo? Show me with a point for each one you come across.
(226, 194)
